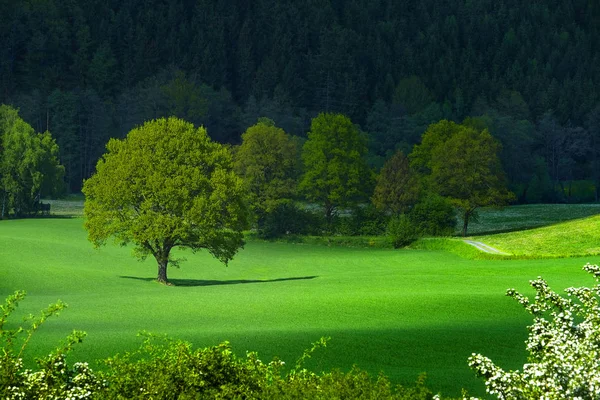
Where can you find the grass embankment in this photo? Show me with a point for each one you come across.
(403, 312)
(568, 239)
(578, 237)
(515, 218)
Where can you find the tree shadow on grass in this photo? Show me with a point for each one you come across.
(201, 282)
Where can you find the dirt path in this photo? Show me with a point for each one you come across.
(485, 248)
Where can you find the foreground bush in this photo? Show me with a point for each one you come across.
(54, 379)
(563, 346)
(163, 368)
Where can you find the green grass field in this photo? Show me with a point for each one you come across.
(403, 312)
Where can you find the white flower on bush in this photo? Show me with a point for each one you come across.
(563, 346)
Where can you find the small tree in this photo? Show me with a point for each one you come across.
(336, 172)
(268, 161)
(167, 185)
(563, 346)
(397, 186)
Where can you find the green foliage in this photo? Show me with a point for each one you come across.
(402, 231)
(397, 188)
(412, 94)
(287, 218)
(563, 346)
(580, 191)
(268, 161)
(461, 164)
(54, 379)
(172, 369)
(336, 173)
(167, 185)
(29, 166)
(365, 220)
(434, 216)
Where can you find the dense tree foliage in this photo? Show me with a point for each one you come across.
(461, 164)
(167, 185)
(397, 186)
(335, 168)
(92, 70)
(269, 162)
(29, 167)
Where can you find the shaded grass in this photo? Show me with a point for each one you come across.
(403, 312)
(528, 216)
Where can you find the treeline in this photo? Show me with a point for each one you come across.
(91, 70)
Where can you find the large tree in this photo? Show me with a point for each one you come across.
(167, 185)
(29, 166)
(461, 163)
(268, 160)
(336, 172)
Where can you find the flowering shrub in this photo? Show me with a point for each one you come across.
(563, 346)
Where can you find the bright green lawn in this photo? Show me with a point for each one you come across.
(403, 312)
(567, 239)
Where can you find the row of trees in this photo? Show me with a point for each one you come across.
(29, 166)
(169, 185)
(457, 162)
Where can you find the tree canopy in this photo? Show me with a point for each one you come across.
(269, 162)
(167, 185)
(461, 163)
(336, 173)
(87, 71)
(29, 166)
(397, 186)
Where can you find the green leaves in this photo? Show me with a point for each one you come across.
(336, 173)
(166, 185)
(29, 166)
(563, 347)
(461, 164)
(268, 160)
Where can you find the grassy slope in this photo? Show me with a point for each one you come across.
(568, 239)
(403, 312)
(528, 216)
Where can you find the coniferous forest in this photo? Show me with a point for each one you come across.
(528, 71)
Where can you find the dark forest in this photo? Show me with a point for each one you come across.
(528, 71)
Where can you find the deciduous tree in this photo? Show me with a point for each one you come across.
(336, 172)
(268, 161)
(167, 185)
(29, 166)
(462, 164)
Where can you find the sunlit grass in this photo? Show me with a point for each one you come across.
(403, 312)
(568, 239)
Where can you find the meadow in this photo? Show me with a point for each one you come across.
(402, 312)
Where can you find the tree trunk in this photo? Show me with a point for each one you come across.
(329, 210)
(161, 252)
(465, 223)
(162, 271)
